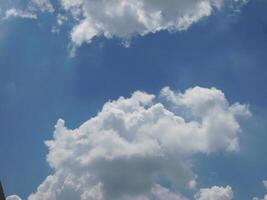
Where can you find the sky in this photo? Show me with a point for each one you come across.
(133, 100)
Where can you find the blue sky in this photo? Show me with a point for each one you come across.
(40, 82)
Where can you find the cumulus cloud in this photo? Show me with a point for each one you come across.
(215, 193)
(212, 110)
(135, 143)
(13, 197)
(127, 18)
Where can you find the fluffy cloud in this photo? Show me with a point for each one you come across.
(13, 197)
(127, 18)
(218, 125)
(135, 143)
(215, 193)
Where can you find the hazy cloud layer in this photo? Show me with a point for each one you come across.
(135, 143)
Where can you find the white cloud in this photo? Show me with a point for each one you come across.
(256, 198)
(160, 193)
(265, 184)
(41, 5)
(31, 11)
(133, 143)
(265, 197)
(13, 197)
(217, 117)
(215, 193)
(61, 19)
(19, 13)
(127, 18)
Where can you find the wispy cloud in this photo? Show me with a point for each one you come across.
(13, 12)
